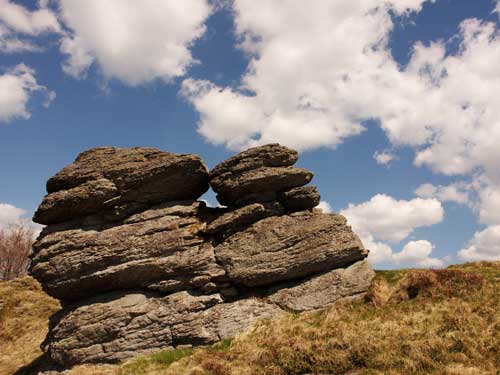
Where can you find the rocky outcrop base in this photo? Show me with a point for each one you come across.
(140, 265)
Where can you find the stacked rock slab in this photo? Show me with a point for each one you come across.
(139, 264)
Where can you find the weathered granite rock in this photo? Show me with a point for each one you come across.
(158, 249)
(117, 326)
(85, 199)
(288, 247)
(238, 218)
(270, 155)
(141, 266)
(258, 185)
(321, 290)
(263, 174)
(298, 199)
(134, 175)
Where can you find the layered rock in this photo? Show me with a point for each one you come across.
(289, 247)
(104, 178)
(117, 326)
(323, 289)
(140, 265)
(261, 174)
(158, 249)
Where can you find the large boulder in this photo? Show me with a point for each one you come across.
(270, 155)
(323, 289)
(301, 198)
(104, 177)
(287, 247)
(258, 174)
(258, 185)
(140, 265)
(158, 249)
(116, 326)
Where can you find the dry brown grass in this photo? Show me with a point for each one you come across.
(444, 322)
(24, 314)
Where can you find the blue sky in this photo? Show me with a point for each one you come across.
(392, 104)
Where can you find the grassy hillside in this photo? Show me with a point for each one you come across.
(24, 315)
(444, 322)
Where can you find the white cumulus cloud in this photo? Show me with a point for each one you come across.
(11, 215)
(484, 246)
(384, 157)
(383, 221)
(315, 75)
(457, 192)
(17, 86)
(18, 24)
(325, 207)
(133, 41)
(393, 220)
(489, 211)
(417, 253)
(20, 19)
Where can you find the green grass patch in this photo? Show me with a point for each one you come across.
(391, 276)
(162, 359)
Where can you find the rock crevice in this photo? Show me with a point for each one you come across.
(140, 264)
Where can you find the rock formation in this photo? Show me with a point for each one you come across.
(140, 265)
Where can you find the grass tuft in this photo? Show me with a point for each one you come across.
(154, 362)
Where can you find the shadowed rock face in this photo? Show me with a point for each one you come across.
(301, 198)
(140, 265)
(260, 184)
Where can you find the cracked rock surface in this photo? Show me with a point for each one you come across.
(125, 175)
(140, 265)
(116, 326)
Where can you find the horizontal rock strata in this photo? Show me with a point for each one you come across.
(260, 174)
(117, 326)
(158, 249)
(140, 265)
(324, 289)
(288, 247)
(105, 177)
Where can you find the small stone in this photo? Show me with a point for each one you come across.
(301, 198)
